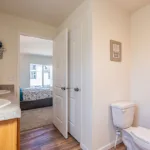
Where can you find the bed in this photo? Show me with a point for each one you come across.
(32, 98)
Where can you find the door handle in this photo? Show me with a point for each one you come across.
(76, 89)
(63, 88)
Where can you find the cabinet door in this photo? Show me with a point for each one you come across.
(8, 135)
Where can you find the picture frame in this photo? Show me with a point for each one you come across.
(115, 51)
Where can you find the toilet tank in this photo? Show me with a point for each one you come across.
(123, 114)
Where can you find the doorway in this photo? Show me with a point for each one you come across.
(66, 84)
(36, 81)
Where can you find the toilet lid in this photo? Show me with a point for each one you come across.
(141, 134)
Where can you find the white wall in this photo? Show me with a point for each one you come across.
(10, 28)
(82, 16)
(140, 71)
(25, 61)
(110, 79)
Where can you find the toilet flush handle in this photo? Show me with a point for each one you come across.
(123, 110)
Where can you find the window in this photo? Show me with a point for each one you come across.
(40, 75)
(47, 71)
(33, 75)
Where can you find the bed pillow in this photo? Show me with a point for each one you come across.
(21, 95)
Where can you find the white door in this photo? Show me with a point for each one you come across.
(75, 67)
(60, 93)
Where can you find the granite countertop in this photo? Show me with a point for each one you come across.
(12, 110)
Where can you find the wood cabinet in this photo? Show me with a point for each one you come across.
(10, 134)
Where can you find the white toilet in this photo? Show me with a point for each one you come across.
(135, 138)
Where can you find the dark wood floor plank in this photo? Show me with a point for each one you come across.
(57, 143)
(49, 138)
(119, 147)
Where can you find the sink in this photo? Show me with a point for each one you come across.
(4, 102)
(4, 92)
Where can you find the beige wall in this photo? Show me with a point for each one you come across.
(140, 71)
(110, 79)
(10, 28)
(82, 16)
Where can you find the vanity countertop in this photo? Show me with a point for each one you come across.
(10, 96)
(12, 110)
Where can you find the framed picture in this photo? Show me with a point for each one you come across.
(115, 51)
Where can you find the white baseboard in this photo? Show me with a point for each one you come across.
(110, 145)
(83, 146)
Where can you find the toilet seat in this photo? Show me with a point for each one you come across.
(142, 133)
(141, 136)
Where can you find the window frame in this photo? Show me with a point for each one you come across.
(42, 72)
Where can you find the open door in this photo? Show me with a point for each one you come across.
(75, 81)
(60, 84)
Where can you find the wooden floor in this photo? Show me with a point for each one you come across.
(120, 147)
(49, 138)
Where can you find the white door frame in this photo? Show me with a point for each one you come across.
(17, 88)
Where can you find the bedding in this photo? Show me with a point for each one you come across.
(41, 103)
(33, 94)
(33, 98)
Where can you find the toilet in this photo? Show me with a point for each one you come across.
(135, 138)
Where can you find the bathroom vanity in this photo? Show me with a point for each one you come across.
(10, 115)
(10, 134)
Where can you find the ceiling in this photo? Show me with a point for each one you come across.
(52, 12)
(35, 46)
(132, 5)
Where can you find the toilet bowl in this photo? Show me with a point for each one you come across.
(141, 137)
(128, 140)
(135, 138)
